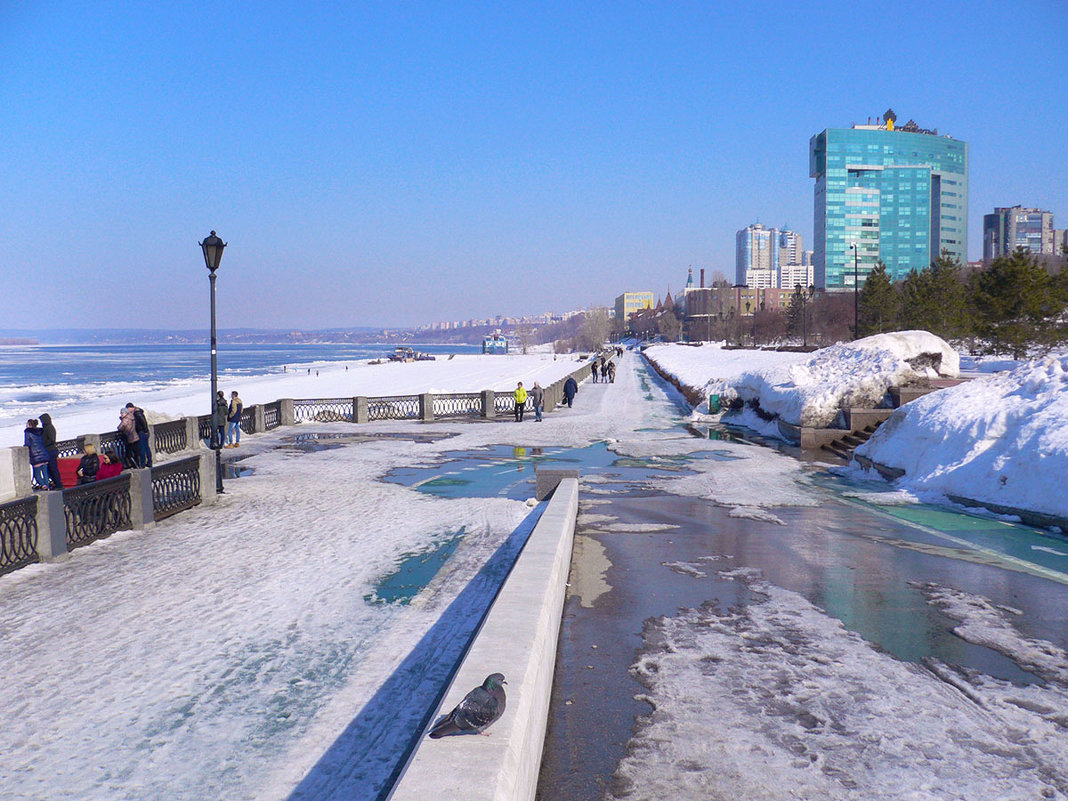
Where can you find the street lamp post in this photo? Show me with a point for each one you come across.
(856, 290)
(213, 250)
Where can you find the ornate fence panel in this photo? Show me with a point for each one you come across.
(397, 407)
(323, 410)
(458, 404)
(506, 403)
(204, 427)
(113, 442)
(96, 510)
(69, 447)
(175, 486)
(18, 534)
(170, 437)
(248, 421)
(272, 415)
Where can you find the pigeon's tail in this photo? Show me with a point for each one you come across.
(443, 727)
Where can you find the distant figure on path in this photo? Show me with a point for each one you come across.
(570, 390)
(49, 432)
(33, 438)
(89, 465)
(520, 396)
(612, 372)
(593, 370)
(537, 397)
(604, 370)
(141, 424)
(128, 428)
(218, 420)
(233, 433)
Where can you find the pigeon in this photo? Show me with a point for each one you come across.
(480, 707)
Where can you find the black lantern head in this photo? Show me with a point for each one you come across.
(213, 250)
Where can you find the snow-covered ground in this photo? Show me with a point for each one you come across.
(461, 373)
(710, 368)
(1000, 439)
(221, 653)
(810, 389)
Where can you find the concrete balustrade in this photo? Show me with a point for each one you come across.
(518, 639)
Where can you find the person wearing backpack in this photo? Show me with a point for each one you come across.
(141, 426)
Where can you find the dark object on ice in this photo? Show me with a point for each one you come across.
(480, 707)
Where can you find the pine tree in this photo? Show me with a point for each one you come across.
(1017, 305)
(948, 302)
(879, 303)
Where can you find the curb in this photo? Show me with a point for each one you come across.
(518, 639)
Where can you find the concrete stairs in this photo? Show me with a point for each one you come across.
(843, 448)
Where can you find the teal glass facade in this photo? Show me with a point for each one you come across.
(901, 196)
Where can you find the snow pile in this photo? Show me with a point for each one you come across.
(847, 375)
(710, 368)
(999, 439)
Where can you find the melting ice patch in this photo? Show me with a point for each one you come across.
(776, 699)
(772, 479)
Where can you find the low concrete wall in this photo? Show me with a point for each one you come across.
(517, 639)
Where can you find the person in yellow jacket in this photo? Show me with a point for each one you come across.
(520, 396)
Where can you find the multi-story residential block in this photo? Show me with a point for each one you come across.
(757, 249)
(763, 253)
(898, 193)
(790, 275)
(1016, 227)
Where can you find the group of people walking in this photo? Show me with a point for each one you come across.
(605, 369)
(226, 420)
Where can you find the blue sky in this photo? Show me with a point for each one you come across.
(397, 163)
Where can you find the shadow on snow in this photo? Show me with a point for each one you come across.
(368, 757)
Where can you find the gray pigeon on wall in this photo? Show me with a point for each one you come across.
(480, 707)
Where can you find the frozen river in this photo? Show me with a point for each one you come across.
(797, 635)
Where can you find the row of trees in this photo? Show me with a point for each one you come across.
(1014, 305)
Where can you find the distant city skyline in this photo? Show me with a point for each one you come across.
(387, 166)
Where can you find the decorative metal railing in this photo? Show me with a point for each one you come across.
(170, 437)
(204, 427)
(272, 415)
(18, 534)
(323, 410)
(113, 442)
(397, 407)
(506, 403)
(248, 420)
(69, 447)
(175, 487)
(458, 404)
(97, 510)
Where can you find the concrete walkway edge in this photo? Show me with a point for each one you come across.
(518, 639)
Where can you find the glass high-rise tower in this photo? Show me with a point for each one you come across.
(900, 193)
